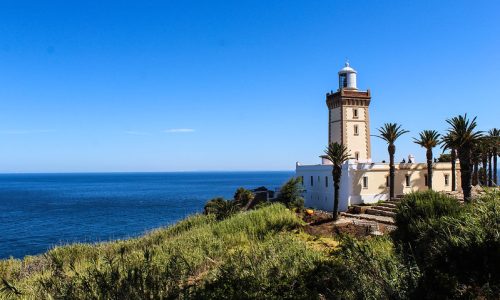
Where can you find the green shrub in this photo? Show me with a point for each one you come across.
(280, 267)
(291, 194)
(221, 208)
(242, 197)
(367, 269)
(418, 209)
(456, 247)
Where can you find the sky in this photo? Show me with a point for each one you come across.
(137, 86)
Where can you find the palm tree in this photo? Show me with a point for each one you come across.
(390, 132)
(494, 135)
(428, 139)
(338, 155)
(464, 136)
(447, 142)
(475, 158)
(490, 156)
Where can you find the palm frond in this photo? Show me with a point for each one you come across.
(390, 132)
(337, 153)
(428, 139)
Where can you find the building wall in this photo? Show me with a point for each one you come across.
(357, 142)
(335, 126)
(352, 190)
(319, 195)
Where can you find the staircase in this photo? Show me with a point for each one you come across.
(382, 212)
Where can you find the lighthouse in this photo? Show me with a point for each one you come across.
(349, 118)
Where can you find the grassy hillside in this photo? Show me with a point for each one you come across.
(186, 259)
(441, 249)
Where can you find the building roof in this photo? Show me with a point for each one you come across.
(347, 69)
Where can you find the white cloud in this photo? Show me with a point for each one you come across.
(25, 131)
(179, 130)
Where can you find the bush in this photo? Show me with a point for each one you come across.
(367, 269)
(416, 210)
(456, 247)
(291, 194)
(221, 208)
(242, 197)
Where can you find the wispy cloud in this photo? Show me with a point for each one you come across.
(24, 131)
(135, 132)
(179, 130)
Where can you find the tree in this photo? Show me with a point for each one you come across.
(390, 132)
(221, 208)
(243, 197)
(463, 133)
(447, 142)
(428, 139)
(291, 194)
(494, 135)
(338, 155)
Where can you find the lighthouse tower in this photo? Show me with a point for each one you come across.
(349, 121)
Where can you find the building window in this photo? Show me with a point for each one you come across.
(343, 81)
(312, 181)
(387, 181)
(426, 182)
(326, 181)
(365, 182)
(356, 155)
(302, 180)
(446, 179)
(356, 131)
(355, 113)
(318, 180)
(407, 179)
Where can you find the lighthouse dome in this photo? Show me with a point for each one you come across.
(347, 78)
(347, 69)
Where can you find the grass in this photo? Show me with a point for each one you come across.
(178, 261)
(442, 249)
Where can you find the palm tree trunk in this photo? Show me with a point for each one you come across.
(429, 168)
(495, 154)
(453, 170)
(475, 173)
(336, 173)
(465, 172)
(484, 175)
(490, 173)
(392, 171)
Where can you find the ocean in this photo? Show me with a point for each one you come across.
(39, 211)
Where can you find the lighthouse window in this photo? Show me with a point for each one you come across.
(326, 181)
(312, 181)
(365, 182)
(355, 113)
(342, 80)
(407, 179)
(356, 131)
(356, 155)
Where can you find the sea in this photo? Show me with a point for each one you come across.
(40, 211)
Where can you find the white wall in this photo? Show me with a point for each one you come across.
(319, 196)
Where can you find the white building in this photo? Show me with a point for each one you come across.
(362, 181)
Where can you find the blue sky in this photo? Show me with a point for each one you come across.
(230, 85)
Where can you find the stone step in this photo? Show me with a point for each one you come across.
(381, 207)
(379, 219)
(379, 212)
(388, 204)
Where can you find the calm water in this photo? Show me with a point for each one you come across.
(38, 211)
